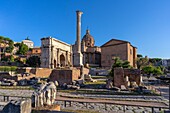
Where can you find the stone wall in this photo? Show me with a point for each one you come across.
(120, 76)
(108, 52)
(118, 48)
(39, 72)
(18, 106)
(134, 75)
(65, 76)
(43, 72)
(85, 71)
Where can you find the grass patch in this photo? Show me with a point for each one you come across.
(17, 87)
(79, 111)
(104, 92)
(98, 82)
(99, 77)
(8, 68)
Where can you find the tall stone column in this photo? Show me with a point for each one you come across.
(78, 57)
(71, 60)
(52, 58)
(79, 13)
(66, 58)
(58, 57)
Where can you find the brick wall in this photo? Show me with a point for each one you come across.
(60, 75)
(120, 74)
(108, 52)
(64, 76)
(119, 77)
(43, 72)
(39, 72)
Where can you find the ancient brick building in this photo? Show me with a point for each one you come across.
(118, 48)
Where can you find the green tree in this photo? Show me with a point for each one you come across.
(141, 62)
(118, 63)
(11, 58)
(7, 58)
(152, 70)
(7, 41)
(33, 61)
(139, 56)
(154, 61)
(22, 48)
(147, 69)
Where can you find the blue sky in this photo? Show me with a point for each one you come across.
(144, 23)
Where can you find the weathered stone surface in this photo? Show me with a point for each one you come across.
(115, 48)
(109, 84)
(65, 75)
(55, 53)
(120, 77)
(18, 106)
(129, 111)
(45, 95)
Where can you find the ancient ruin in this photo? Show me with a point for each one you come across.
(18, 106)
(55, 53)
(127, 77)
(45, 95)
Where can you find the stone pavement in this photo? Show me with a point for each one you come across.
(117, 97)
(110, 108)
(17, 93)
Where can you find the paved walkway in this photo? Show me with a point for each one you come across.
(120, 102)
(116, 97)
(114, 103)
(164, 91)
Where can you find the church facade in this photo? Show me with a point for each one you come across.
(91, 53)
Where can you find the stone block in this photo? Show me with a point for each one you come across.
(18, 106)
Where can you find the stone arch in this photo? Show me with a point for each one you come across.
(55, 63)
(62, 60)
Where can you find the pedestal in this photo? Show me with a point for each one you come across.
(78, 59)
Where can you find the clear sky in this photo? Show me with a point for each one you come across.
(144, 23)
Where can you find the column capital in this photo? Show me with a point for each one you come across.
(79, 12)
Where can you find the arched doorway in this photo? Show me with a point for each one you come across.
(62, 60)
(55, 63)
